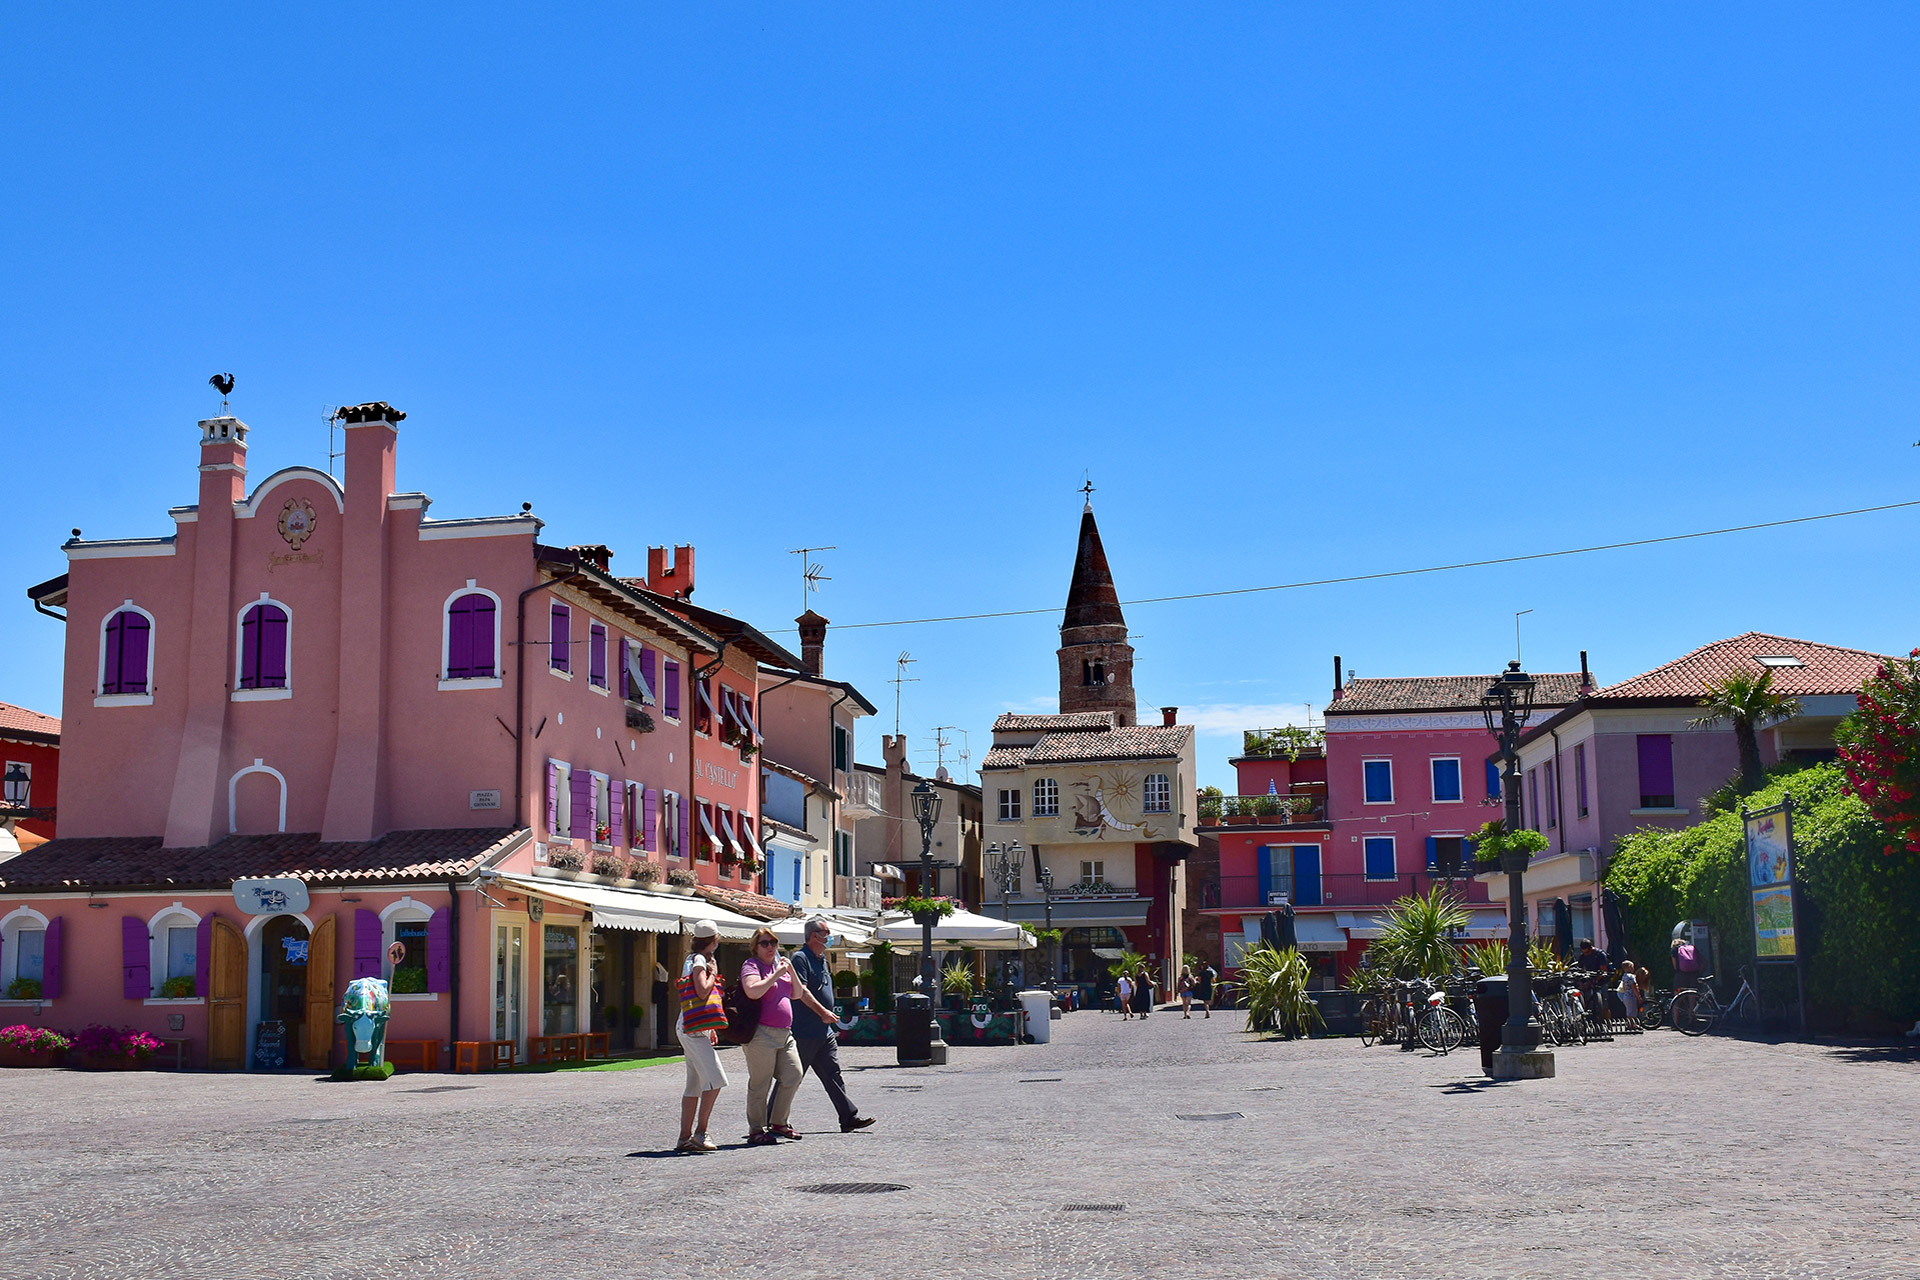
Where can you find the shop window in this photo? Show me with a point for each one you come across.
(23, 952)
(173, 937)
(409, 975)
(559, 980)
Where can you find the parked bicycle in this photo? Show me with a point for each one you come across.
(1697, 1011)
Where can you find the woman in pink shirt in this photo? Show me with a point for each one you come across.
(773, 1060)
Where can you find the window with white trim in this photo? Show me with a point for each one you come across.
(1159, 794)
(1379, 858)
(1446, 779)
(1046, 798)
(1010, 804)
(23, 943)
(559, 800)
(470, 639)
(173, 939)
(126, 658)
(405, 922)
(602, 811)
(1377, 776)
(1093, 871)
(597, 655)
(560, 641)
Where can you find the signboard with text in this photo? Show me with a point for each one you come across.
(270, 897)
(1770, 882)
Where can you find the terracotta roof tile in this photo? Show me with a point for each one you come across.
(1069, 722)
(19, 718)
(1132, 742)
(1811, 668)
(745, 901)
(1005, 758)
(1444, 693)
(127, 861)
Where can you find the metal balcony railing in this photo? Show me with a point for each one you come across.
(1334, 889)
(1303, 804)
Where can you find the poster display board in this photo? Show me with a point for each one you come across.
(1770, 882)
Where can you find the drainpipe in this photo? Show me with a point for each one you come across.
(520, 692)
(453, 964)
(1559, 796)
(57, 617)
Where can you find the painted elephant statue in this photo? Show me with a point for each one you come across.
(365, 1011)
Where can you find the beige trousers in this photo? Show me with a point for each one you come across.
(772, 1059)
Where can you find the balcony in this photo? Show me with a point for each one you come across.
(863, 893)
(1306, 803)
(1339, 889)
(863, 796)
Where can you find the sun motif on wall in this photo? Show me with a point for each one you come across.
(296, 522)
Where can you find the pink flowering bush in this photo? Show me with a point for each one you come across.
(1880, 749)
(115, 1042)
(32, 1039)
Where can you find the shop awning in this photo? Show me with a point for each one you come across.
(1366, 925)
(885, 871)
(1487, 924)
(1318, 933)
(1359, 924)
(706, 824)
(726, 830)
(615, 908)
(753, 838)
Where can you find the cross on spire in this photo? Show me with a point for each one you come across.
(1087, 489)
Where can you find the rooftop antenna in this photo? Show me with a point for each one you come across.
(1516, 632)
(333, 423)
(966, 753)
(940, 744)
(901, 678)
(811, 574)
(223, 383)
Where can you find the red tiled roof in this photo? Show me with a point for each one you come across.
(1069, 722)
(83, 862)
(1005, 757)
(1131, 742)
(745, 901)
(22, 720)
(1444, 693)
(1823, 668)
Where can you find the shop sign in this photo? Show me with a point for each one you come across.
(270, 897)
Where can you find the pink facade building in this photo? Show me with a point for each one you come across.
(451, 735)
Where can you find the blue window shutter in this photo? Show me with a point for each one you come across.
(1433, 853)
(1493, 779)
(1265, 882)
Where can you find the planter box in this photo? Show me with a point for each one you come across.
(105, 1061)
(12, 1057)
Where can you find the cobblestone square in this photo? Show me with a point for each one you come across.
(1650, 1156)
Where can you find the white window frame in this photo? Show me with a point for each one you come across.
(233, 793)
(1393, 846)
(1009, 804)
(1046, 798)
(176, 916)
(670, 826)
(1166, 797)
(601, 790)
(100, 667)
(446, 641)
(408, 911)
(1387, 761)
(11, 925)
(562, 828)
(1092, 870)
(240, 657)
(552, 670)
(1460, 779)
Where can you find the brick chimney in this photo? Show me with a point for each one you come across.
(813, 641)
(1337, 692)
(1169, 715)
(893, 749)
(675, 580)
(1586, 676)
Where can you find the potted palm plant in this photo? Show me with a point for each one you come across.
(1277, 998)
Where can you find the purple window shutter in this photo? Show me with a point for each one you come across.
(115, 644)
(650, 808)
(133, 653)
(617, 813)
(460, 639)
(50, 974)
(581, 821)
(1656, 764)
(250, 648)
(439, 958)
(136, 959)
(561, 656)
(481, 661)
(366, 943)
(685, 832)
(647, 657)
(553, 796)
(273, 647)
(203, 955)
(670, 694)
(626, 693)
(597, 655)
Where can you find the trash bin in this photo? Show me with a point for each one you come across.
(913, 1029)
(1490, 1006)
(1039, 1007)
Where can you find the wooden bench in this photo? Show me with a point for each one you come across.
(414, 1055)
(570, 1047)
(181, 1048)
(482, 1055)
(597, 1044)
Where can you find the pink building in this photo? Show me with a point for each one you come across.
(455, 739)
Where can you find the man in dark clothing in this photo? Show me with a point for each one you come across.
(1590, 959)
(1203, 987)
(818, 1045)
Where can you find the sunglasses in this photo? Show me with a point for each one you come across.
(768, 942)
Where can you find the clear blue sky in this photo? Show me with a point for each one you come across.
(1309, 291)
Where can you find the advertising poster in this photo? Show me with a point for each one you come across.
(1773, 923)
(1770, 880)
(1769, 856)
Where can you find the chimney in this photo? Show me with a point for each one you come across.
(1586, 677)
(597, 554)
(813, 641)
(371, 430)
(1336, 678)
(893, 749)
(676, 580)
(1169, 715)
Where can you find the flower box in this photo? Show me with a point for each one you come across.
(105, 1061)
(12, 1057)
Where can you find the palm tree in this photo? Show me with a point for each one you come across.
(1751, 704)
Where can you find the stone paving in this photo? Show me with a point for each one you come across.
(1651, 1156)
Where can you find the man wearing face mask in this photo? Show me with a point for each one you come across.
(815, 1038)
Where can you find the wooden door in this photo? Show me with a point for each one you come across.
(317, 1045)
(226, 997)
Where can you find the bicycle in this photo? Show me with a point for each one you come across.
(1698, 1011)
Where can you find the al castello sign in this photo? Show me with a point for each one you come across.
(713, 773)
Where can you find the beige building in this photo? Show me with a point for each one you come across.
(887, 848)
(1098, 805)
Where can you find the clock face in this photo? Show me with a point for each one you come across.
(296, 522)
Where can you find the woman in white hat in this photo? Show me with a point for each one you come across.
(698, 1028)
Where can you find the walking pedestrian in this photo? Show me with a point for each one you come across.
(1629, 991)
(816, 1036)
(1203, 987)
(697, 1028)
(1186, 991)
(773, 1061)
(1123, 996)
(1143, 992)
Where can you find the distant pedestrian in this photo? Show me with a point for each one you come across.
(1123, 996)
(1143, 992)
(815, 1035)
(1629, 992)
(700, 1019)
(1186, 991)
(1203, 987)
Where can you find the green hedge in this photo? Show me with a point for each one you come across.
(1859, 906)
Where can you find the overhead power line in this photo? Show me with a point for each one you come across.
(1403, 573)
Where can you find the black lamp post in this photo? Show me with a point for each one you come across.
(1006, 870)
(926, 811)
(1506, 704)
(17, 783)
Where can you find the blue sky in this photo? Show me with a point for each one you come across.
(1309, 292)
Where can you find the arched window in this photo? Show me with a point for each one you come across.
(173, 939)
(126, 654)
(1046, 798)
(1159, 794)
(263, 646)
(471, 632)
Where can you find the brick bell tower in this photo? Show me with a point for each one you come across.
(1096, 662)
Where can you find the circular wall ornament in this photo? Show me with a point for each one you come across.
(296, 522)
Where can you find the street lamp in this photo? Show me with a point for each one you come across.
(1506, 705)
(1046, 887)
(18, 782)
(1006, 870)
(926, 811)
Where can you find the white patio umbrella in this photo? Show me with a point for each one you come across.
(792, 932)
(983, 933)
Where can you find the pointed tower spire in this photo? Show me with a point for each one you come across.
(1096, 662)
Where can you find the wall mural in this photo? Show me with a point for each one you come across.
(1095, 799)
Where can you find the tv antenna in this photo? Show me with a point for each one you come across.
(900, 678)
(811, 574)
(333, 425)
(1516, 632)
(940, 744)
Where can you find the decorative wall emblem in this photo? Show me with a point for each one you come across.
(296, 522)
